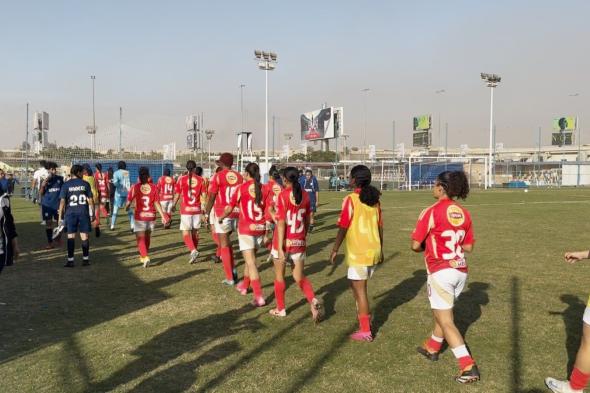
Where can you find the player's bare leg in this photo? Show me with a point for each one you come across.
(316, 305)
(580, 374)
(468, 370)
(279, 287)
(359, 290)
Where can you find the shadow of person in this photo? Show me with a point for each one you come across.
(178, 340)
(572, 319)
(181, 377)
(468, 307)
(402, 293)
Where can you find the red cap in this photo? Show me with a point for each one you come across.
(226, 159)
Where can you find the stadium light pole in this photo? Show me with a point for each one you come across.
(492, 81)
(439, 93)
(209, 135)
(267, 62)
(365, 91)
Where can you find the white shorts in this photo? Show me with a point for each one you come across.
(586, 317)
(358, 273)
(227, 225)
(444, 287)
(249, 242)
(167, 206)
(142, 226)
(190, 222)
(300, 256)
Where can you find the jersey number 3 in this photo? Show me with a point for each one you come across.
(453, 244)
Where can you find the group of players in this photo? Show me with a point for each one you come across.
(277, 216)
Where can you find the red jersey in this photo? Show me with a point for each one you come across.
(191, 195)
(445, 227)
(276, 189)
(166, 185)
(102, 183)
(144, 195)
(225, 183)
(295, 217)
(252, 221)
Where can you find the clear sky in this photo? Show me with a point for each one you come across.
(163, 60)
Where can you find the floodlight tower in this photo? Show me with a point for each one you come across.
(267, 62)
(492, 81)
(365, 92)
(92, 130)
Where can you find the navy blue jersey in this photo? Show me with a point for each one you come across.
(76, 193)
(52, 192)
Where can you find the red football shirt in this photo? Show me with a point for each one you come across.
(445, 227)
(102, 181)
(191, 196)
(252, 220)
(294, 216)
(225, 183)
(276, 189)
(144, 195)
(166, 186)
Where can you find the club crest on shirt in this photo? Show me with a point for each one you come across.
(145, 189)
(455, 215)
(231, 178)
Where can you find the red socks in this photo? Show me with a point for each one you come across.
(196, 239)
(465, 362)
(246, 282)
(141, 246)
(463, 356)
(256, 288)
(306, 288)
(188, 240)
(578, 380)
(435, 343)
(280, 294)
(227, 259)
(365, 322)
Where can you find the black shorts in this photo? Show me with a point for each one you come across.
(78, 222)
(49, 213)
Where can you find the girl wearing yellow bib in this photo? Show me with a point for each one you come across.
(361, 229)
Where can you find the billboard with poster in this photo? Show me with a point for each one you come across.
(562, 138)
(324, 123)
(564, 123)
(422, 123)
(421, 139)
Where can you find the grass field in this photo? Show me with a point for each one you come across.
(115, 326)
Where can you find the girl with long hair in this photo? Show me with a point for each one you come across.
(289, 245)
(145, 196)
(252, 198)
(361, 228)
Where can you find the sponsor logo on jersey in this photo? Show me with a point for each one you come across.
(257, 227)
(231, 178)
(168, 180)
(194, 182)
(145, 189)
(276, 189)
(455, 215)
(295, 242)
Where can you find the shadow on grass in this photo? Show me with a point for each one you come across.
(572, 319)
(177, 341)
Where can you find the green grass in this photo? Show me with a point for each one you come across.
(115, 326)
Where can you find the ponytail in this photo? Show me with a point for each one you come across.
(144, 175)
(254, 171)
(369, 195)
(455, 184)
(191, 167)
(291, 174)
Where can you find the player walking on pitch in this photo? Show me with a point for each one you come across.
(581, 373)
(444, 232)
(252, 198)
(222, 187)
(77, 207)
(145, 197)
(361, 228)
(190, 187)
(289, 245)
(49, 193)
(122, 184)
(166, 186)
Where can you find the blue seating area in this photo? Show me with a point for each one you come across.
(425, 174)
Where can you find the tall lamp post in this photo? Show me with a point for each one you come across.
(365, 92)
(92, 130)
(439, 93)
(267, 62)
(209, 135)
(492, 81)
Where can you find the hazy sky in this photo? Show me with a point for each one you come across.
(161, 61)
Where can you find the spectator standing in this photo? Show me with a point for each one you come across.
(310, 184)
